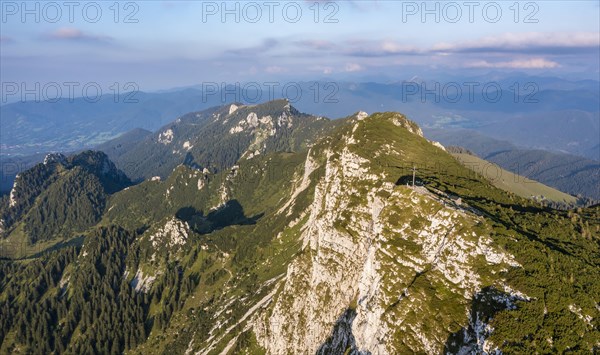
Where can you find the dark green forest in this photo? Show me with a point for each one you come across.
(146, 268)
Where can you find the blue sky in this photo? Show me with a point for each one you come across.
(160, 44)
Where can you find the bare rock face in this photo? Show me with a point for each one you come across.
(401, 121)
(374, 266)
(55, 158)
(166, 137)
(385, 269)
(174, 232)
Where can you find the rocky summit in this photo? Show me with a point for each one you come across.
(263, 230)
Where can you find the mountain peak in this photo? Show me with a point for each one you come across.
(401, 121)
(99, 164)
(55, 158)
(358, 229)
(233, 108)
(361, 115)
(82, 182)
(278, 105)
(218, 137)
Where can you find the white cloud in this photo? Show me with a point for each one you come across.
(321, 69)
(353, 67)
(274, 69)
(393, 47)
(71, 33)
(524, 41)
(533, 63)
(532, 43)
(317, 44)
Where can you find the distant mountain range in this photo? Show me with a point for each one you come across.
(142, 154)
(568, 173)
(512, 182)
(30, 127)
(534, 112)
(279, 232)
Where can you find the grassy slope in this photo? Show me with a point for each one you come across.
(558, 250)
(568, 173)
(512, 182)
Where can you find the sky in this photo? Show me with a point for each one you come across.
(161, 45)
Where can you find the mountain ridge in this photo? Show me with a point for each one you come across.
(74, 188)
(216, 138)
(319, 248)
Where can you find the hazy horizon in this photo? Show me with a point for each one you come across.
(161, 45)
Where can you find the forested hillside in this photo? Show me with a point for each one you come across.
(319, 243)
